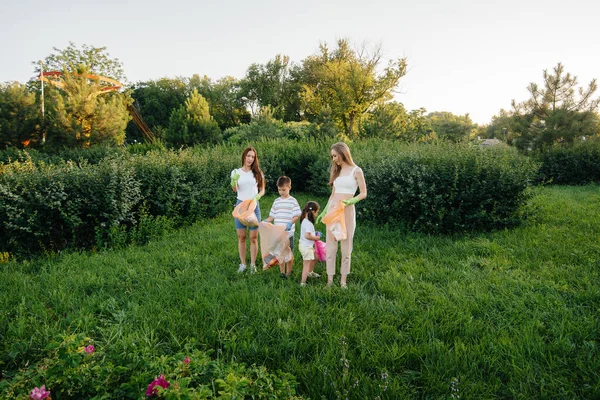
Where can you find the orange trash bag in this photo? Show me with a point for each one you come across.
(245, 212)
(336, 221)
(274, 245)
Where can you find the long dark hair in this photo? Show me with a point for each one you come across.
(256, 171)
(307, 211)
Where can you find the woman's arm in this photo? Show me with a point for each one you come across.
(362, 185)
(261, 191)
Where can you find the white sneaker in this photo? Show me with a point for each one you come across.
(313, 274)
(253, 269)
(242, 268)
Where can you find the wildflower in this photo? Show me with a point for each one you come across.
(454, 391)
(39, 393)
(90, 349)
(186, 360)
(160, 381)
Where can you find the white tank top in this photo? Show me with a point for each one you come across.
(346, 184)
(247, 187)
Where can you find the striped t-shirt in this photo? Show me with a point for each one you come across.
(283, 210)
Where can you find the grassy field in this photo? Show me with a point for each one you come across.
(509, 314)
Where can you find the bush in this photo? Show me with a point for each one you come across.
(45, 208)
(74, 367)
(430, 188)
(578, 164)
(446, 188)
(186, 184)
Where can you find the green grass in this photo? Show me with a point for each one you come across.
(509, 314)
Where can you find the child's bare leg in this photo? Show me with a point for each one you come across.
(305, 270)
(288, 267)
(312, 264)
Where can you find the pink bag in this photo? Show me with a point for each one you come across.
(320, 250)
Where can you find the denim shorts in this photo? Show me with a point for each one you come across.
(292, 243)
(239, 225)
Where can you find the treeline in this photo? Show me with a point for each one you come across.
(339, 92)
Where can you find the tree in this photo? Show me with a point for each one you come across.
(96, 59)
(454, 128)
(224, 99)
(156, 101)
(192, 124)
(265, 84)
(20, 117)
(501, 127)
(82, 114)
(557, 112)
(419, 127)
(386, 120)
(347, 81)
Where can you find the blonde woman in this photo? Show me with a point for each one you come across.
(345, 178)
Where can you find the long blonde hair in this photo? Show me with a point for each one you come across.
(343, 151)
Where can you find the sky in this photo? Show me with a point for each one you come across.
(464, 56)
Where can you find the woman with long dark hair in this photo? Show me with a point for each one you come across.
(249, 183)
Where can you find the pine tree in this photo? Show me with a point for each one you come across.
(557, 112)
(192, 123)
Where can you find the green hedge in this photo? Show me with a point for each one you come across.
(45, 208)
(430, 188)
(571, 165)
(444, 188)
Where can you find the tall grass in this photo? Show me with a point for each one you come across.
(510, 314)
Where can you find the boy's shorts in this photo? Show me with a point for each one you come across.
(292, 243)
(239, 225)
(308, 253)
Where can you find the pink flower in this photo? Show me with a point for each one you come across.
(186, 360)
(39, 393)
(90, 349)
(160, 381)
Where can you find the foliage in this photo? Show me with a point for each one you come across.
(192, 124)
(156, 101)
(390, 120)
(46, 208)
(74, 367)
(454, 128)
(267, 85)
(346, 80)
(224, 98)
(557, 112)
(570, 165)
(429, 188)
(81, 114)
(96, 59)
(265, 126)
(20, 118)
(446, 188)
(386, 121)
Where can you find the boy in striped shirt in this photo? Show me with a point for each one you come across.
(285, 212)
